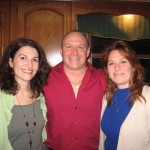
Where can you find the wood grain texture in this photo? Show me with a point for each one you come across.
(4, 26)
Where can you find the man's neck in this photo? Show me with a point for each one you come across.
(75, 74)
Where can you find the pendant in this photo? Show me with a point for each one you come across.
(118, 107)
(77, 86)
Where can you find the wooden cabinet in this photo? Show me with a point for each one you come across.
(4, 26)
(44, 22)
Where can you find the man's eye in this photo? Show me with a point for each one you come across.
(81, 47)
(68, 46)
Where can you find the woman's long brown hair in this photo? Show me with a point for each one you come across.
(137, 81)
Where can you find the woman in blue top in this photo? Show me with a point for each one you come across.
(23, 73)
(125, 118)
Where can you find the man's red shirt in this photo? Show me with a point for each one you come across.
(74, 123)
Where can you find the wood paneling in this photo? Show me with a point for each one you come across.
(4, 26)
(46, 23)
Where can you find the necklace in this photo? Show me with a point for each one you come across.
(77, 84)
(118, 107)
(30, 126)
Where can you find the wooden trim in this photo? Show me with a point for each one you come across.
(140, 56)
(114, 8)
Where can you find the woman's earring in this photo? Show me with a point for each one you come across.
(12, 72)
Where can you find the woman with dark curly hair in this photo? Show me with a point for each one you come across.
(125, 123)
(23, 73)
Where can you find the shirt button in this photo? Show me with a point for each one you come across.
(76, 123)
(76, 107)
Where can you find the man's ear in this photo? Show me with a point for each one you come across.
(60, 52)
(88, 51)
(11, 62)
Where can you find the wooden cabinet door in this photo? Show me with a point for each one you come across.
(4, 26)
(45, 22)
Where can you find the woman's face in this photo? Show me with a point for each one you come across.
(119, 69)
(25, 64)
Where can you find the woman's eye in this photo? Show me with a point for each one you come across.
(109, 64)
(23, 58)
(36, 60)
(123, 61)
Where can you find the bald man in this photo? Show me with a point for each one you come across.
(73, 97)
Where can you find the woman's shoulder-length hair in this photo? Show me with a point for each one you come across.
(8, 83)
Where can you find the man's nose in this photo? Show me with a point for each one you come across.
(75, 50)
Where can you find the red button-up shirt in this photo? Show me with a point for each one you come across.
(74, 122)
